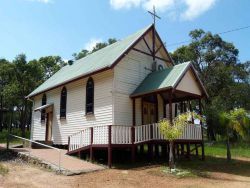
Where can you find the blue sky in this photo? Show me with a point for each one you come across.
(62, 27)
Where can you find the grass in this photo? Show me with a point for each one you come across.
(3, 170)
(219, 149)
(216, 161)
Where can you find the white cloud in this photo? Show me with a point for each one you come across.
(120, 4)
(160, 5)
(41, 1)
(196, 7)
(91, 44)
(176, 9)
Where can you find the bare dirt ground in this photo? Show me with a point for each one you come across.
(25, 175)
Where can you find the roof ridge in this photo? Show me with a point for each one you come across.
(102, 59)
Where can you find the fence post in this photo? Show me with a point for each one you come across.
(109, 147)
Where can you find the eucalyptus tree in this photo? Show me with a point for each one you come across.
(221, 72)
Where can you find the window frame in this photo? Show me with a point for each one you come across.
(43, 111)
(90, 93)
(63, 103)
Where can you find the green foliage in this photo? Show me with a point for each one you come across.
(97, 47)
(225, 78)
(15, 131)
(236, 120)
(174, 130)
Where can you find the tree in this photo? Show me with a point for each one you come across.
(97, 47)
(50, 65)
(221, 72)
(236, 120)
(173, 130)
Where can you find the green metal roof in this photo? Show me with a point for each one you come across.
(98, 60)
(163, 79)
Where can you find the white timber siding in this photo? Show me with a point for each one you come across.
(189, 84)
(76, 120)
(128, 74)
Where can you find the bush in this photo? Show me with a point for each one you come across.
(14, 131)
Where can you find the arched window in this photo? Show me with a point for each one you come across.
(63, 103)
(43, 112)
(90, 96)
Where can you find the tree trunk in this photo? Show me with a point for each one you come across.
(228, 149)
(171, 156)
(23, 117)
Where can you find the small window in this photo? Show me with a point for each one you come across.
(90, 96)
(43, 112)
(63, 103)
(160, 67)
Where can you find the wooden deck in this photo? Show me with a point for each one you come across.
(113, 136)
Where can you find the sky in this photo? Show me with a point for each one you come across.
(62, 27)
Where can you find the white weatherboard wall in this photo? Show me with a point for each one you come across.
(128, 74)
(189, 84)
(76, 119)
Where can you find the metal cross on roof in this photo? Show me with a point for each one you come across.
(154, 14)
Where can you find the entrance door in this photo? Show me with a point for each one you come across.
(149, 115)
(48, 135)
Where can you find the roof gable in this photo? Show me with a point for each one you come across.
(166, 79)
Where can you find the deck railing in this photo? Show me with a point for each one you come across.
(107, 134)
(80, 139)
(121, 134)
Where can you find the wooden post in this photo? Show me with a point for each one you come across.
(157, 150)
(196, 150)
(133, 143)
(157, 109)
(164, 109)
(178, 150)
(191, 110)
(150, 151)
(188, 150)
(182, 149)
(91, 143)
(150, 145)
(68, 143)
(185, 106)
(133, 133)
(170, 107)
(142, 149)
(202, 142)
(142, 115)
(109, 148)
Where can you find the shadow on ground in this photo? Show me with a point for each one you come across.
(7, 155)
(194, 164)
